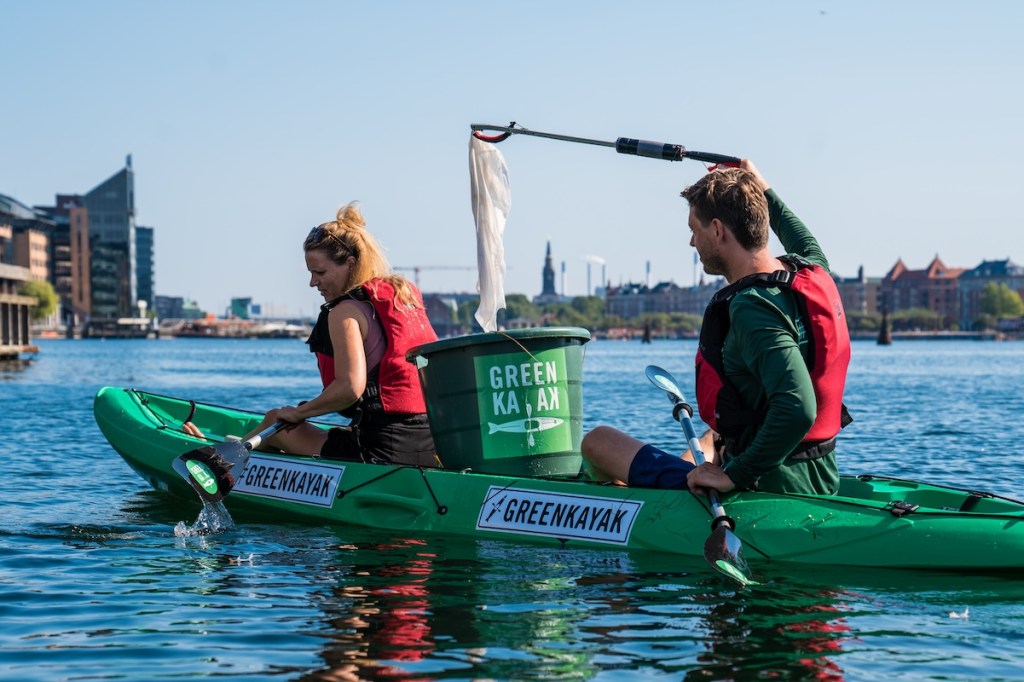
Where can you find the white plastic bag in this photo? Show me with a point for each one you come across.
(492, 200)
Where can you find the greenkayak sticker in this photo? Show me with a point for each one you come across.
(202, 475)
(524, 403)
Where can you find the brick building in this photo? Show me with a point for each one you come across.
(935, 288)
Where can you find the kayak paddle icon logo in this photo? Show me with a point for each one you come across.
(528, 426)
(523, 402)
(202, 475)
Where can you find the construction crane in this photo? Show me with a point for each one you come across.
(415, 269)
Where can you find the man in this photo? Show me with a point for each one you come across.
(773, 355)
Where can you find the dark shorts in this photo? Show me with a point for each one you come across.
(654, 468)
(401, 440)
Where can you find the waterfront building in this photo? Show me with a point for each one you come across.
(145, 269)
(168, 307)
(627, 300)
(443, 313)
(70, 258)
(25, 237)
(974, 281)
(177, 308)
(859, 293)
(31, 250)
(14, 311)
(241, 308)
(111, 206)
(6, 243)
(103, 265)
(632, 300)
(935, 288)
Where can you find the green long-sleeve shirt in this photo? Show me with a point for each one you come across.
(765, 359)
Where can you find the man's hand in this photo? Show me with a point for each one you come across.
(709, 476)
(748, 165)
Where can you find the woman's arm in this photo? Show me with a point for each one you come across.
(347, 324)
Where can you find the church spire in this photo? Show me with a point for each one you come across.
(548, 288)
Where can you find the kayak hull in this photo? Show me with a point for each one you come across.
(874, 521)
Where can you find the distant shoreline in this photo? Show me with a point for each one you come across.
(935, 336)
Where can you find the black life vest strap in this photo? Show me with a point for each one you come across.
(808, 450)
(778, 278)
(813, 450)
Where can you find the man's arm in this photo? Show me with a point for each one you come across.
(791, 231)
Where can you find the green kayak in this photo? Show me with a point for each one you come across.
(873, 521)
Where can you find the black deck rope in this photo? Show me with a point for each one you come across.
(441, 508)
(163, 422)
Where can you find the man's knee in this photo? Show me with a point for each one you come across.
(594, 439)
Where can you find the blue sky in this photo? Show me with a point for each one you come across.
(891, 128)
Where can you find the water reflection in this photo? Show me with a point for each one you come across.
(358, 606)
(787, 631)
(9, 369)
(380, 616)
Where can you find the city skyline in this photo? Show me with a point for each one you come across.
(883, 126)
(117, 193)
(549, 278)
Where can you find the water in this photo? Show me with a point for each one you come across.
(96, 584)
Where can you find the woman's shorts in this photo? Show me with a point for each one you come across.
(654, 468)
(402, 440)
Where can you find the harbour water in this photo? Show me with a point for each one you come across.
(95, 584)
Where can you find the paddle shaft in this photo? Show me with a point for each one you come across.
(623, 145)
(255, 441)
(682, 412)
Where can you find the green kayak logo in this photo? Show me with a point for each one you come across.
(524, 403)
(202, 475)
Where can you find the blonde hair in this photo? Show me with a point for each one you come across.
(346, 236)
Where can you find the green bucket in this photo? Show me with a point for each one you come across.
(507, 402)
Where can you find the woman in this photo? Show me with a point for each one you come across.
(370, 319)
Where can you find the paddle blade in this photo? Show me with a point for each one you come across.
(723, 550)
(212, 471)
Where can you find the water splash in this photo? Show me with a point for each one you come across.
(214, 518)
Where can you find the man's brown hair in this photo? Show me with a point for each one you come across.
(734, 196)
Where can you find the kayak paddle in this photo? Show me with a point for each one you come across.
(213, 470)
(723, 547)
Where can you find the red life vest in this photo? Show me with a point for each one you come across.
(393, 386)
(828, 356)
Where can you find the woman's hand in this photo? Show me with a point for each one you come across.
(288, 414)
